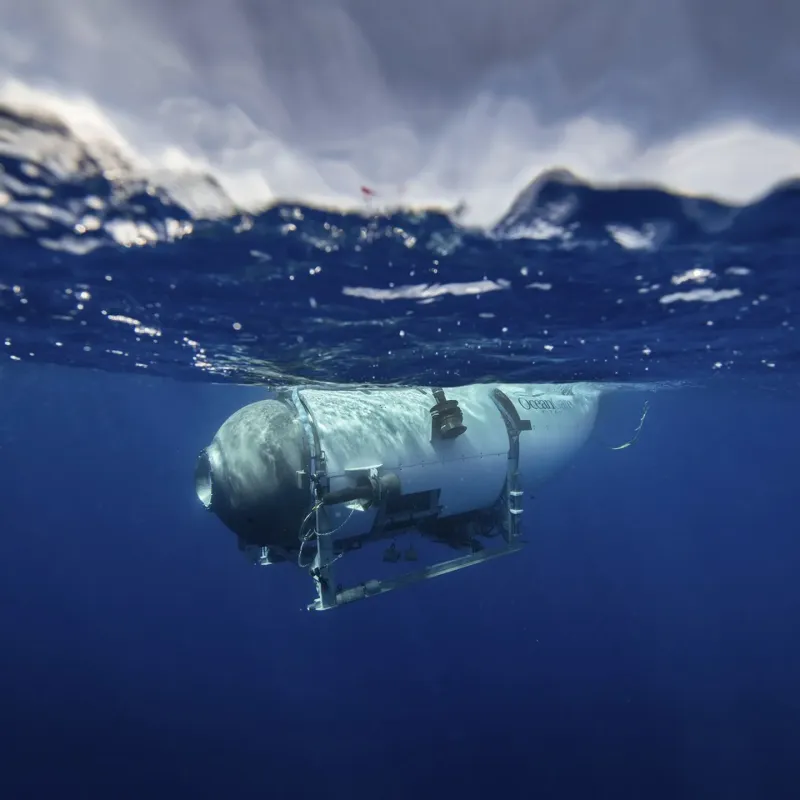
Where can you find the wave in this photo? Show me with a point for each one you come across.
(76, 195)
(429, 104)
(560, 206)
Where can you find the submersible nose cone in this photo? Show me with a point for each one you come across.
(247, 476)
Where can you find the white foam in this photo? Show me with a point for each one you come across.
(427, 102)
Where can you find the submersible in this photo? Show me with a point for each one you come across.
(311, 474)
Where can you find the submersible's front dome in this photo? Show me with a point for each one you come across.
(247, 476)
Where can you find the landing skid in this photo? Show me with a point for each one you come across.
(373, 588)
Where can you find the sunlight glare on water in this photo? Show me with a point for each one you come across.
(428, 103)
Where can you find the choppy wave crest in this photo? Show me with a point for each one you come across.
(75, 194)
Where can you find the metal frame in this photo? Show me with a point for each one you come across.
(322, 566)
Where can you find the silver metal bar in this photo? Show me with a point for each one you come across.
(374, 588)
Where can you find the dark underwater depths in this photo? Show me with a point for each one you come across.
(644, 645)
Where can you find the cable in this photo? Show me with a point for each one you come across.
(305, 538)
(638, 429)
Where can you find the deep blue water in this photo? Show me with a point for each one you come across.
(643, 644)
